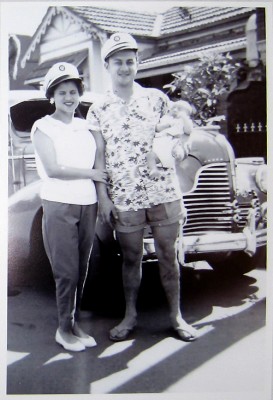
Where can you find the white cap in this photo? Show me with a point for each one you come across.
(118, 41)
(60, 72)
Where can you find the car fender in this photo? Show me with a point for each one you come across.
(246, 176)
(23, 206)
(207, 146)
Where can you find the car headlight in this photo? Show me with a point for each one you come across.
(261, 178)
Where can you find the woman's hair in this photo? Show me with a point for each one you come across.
(79, 84)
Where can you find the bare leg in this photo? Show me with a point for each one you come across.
(132, 249)
(166, 240)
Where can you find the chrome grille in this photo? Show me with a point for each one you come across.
(29, 168)
(250, 202)
(209, 203)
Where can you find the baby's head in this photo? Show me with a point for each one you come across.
(179, 107)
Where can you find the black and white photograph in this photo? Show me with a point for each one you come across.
(135, 248)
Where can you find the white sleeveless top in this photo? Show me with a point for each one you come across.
(75, 147)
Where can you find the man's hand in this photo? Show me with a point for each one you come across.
(107, 212)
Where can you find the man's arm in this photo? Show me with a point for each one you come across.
(164, 123)
(107, 209)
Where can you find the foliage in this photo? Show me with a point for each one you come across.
(204, 83)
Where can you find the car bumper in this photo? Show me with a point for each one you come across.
(220, 242)
(216, 242)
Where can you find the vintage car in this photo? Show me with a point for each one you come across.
(225, 200)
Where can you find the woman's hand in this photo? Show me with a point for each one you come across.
(99, 175)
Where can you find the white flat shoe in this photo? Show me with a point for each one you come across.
(87, 341)
(77, 346)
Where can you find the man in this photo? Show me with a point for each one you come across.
(123, 124)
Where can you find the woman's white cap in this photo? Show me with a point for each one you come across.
(60, 72)
(118, 41)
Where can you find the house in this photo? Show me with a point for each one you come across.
(168, 41)
(18, 44)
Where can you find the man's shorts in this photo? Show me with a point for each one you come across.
(158, 215)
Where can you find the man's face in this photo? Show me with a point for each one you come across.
(122, 67)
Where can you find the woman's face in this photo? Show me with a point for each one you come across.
(66, 97)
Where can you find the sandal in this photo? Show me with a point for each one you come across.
(185, 335)
(118, 335)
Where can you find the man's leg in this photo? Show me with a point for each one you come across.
(132, 249)
(166, 241)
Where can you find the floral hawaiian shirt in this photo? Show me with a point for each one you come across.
(128, 130)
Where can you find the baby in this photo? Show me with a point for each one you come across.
(171, 140)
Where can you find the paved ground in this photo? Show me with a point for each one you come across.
(228, 362)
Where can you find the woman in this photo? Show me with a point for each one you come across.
(65, 153)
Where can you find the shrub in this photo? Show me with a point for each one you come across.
(203, 84)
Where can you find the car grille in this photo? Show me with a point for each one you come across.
(29, 163)
(250, 202)
(209, 203)
(29, 168)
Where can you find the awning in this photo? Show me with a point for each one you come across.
(38, 74)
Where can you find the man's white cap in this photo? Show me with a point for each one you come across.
(60, 72)
(118, 41)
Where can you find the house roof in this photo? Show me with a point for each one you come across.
(176, 19)
(111, 20)
(100, 21)
(191, 54)
(180, 19)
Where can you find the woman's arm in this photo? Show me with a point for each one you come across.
(46, 151)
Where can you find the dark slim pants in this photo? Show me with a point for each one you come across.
(68, 233)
